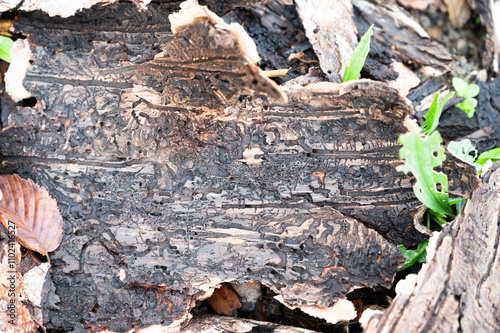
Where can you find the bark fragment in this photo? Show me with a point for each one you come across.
(457, 290)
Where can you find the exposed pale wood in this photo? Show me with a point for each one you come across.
(457, 290)
(331, 30)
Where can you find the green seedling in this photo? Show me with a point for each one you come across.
(422, 154)
(5, 46)
(414, 256)
(490, 155)
(432, 116)
(469, 91)
(358, 57)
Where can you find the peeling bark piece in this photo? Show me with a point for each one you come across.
(331, 30)
(397, 36)
(457, 290)
(488, 10)
(204, 63)
(70, 8)
(217, 324)
(458, 11)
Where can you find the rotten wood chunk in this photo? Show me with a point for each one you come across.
(279, 36)
(165, 198)
(457, 290)
(397, 37)
(217, 324)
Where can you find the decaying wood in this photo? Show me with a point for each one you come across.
(330, 27)
(457, 290)
(488, 10)
(170, 182)
(397, 37)
(280, 38)
(218, 324)
(67, 9)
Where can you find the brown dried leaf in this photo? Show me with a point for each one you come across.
(35, 213)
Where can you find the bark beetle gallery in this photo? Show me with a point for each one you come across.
(177, 166)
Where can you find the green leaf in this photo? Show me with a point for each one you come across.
(437, 217)
(493, 155)
(432, 116)
(462, 150)
(471, 91)
(468, 106)
(412, 256)
(358, 57)
(5, 46)
(460, 86)
(422, 154)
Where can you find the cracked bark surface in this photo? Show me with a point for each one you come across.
(457, 290)
(170, 182)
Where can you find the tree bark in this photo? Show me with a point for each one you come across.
(457, 289)
(171, 181)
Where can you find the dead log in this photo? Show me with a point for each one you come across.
(457, 290)
(397, 38)
(170, 182)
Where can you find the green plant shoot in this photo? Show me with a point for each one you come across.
(469, 91)
(5, 46)
(493, 155)
(358, 57)
(412, 256)
(422, 154)
(432, 116)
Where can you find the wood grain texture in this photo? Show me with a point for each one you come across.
(397, 37)
(170, 182)
(457, 290)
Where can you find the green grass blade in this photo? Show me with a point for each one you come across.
(422, 154)
(5, 46)
(432, 116)
(358, 57)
